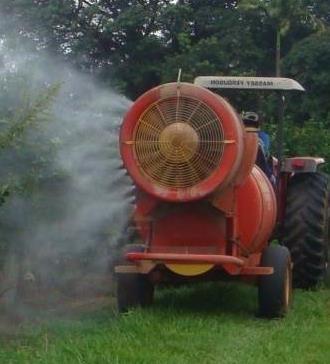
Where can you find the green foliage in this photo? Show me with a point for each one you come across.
(50, 23)
(311, 138)
(13, 142)
(28, 116)
(309, 63)
(138, 44)
(282, 13)
(212, 38)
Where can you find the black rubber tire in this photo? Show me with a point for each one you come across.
(327, 273)
(133, 289)
(275, 290)
(305, 228)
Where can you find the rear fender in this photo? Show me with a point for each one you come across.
(302, 164)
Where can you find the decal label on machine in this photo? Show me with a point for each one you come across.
(262, 83)
(243, 83)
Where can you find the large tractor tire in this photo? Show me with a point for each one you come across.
(327, 273)
(133, 289)
(275, 290)
(306, 228)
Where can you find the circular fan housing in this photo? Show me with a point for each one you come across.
(180, 142)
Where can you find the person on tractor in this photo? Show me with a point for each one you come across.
(251, 119)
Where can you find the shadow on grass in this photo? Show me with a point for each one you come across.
(234, 299)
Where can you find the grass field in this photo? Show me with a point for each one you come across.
(213, 323)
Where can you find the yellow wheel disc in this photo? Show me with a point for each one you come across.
(189, 269)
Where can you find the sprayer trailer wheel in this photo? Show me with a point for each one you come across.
(133, 289)
(275, 290)
(306, 226)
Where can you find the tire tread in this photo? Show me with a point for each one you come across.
(305, 227)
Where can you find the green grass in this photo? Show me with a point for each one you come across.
(213, 323)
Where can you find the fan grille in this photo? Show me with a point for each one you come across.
(178, 142)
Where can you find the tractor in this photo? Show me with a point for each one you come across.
(209, 203)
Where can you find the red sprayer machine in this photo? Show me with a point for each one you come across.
(204, 208)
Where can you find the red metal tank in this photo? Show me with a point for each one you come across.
(200, 228)
(256, 211)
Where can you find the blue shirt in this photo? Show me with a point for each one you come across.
(264, 141)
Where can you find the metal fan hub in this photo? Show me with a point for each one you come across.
(178, 142)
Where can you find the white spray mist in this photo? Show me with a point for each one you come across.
(70, 220)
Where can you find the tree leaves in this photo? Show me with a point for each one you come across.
(28, 117)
